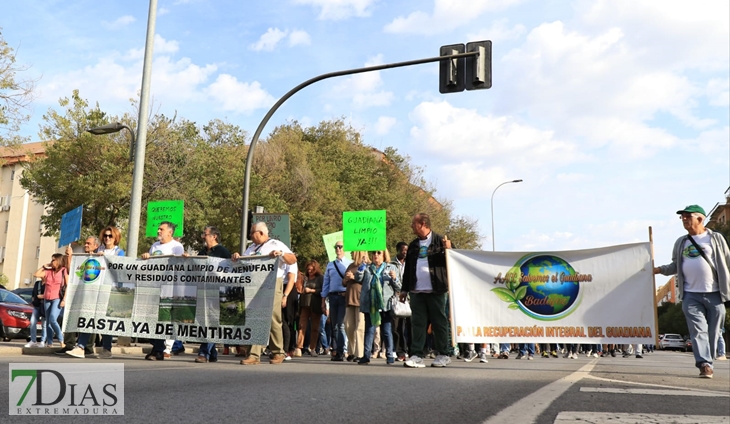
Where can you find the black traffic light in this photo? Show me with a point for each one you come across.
(451, 71)
(479, 68)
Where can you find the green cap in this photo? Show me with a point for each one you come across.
(691, 209)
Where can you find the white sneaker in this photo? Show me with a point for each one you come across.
(588, 355)
(574, 356)
(595, 355)
(441, 361)
(483, 358)
(568, 355)
(77, 352)
(414, 362)
(30, 344)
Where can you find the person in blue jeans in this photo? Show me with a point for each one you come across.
(211, 247)
(334, 291)
(700, 261)
(37, 302)
(526, 349)
(380, 281)
(55, 280)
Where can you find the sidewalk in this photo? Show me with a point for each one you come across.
(15, 347)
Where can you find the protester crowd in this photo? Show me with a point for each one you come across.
(369, 306)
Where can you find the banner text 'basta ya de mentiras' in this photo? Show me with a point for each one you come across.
(188, 299)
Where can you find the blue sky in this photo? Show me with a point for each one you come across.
(614, 113)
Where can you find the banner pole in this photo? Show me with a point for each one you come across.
(653, 279)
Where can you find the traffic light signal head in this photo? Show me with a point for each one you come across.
(479, 67)
(451, 71)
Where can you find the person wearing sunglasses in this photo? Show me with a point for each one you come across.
(380, 281)
(334, 290)
(110, 237)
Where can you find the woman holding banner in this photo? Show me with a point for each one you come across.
(379, 282)
(110, 237)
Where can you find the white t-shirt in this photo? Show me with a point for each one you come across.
(172, 247)
(423, 276)
(696, 271)
(267, 247)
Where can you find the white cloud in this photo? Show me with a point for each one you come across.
(163, 46)
(499, 31)
(268, 40)
(447, 15)
(298, 37)
(240, 97)
(384, 124)
(339, 9)
(119, 23)
(365, 89)
(718, 92)
(476, 151)
(163, 11)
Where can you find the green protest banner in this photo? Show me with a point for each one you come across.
(164, 210)
(329, 245)
(364, 230)
(278, 224)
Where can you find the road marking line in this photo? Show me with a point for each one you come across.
(529, 408)
(653, 392)
(610, 380)
(574, 417)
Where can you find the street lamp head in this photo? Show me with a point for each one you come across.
(107, 129)
(516, 181)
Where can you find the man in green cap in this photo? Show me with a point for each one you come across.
(700, 260)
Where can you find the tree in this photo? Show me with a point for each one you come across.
(15, 95)
(312, 173)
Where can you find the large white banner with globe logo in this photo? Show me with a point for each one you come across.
(601, 295)
(201, 299)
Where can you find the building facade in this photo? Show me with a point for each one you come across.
(22, 248)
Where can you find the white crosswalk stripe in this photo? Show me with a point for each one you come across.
(654, 392)
(582, 417)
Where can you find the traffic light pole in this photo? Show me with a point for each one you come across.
(259, 130)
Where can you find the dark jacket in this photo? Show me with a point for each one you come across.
(436, 265)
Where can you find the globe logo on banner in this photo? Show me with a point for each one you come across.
(545, 287)
(91, 269)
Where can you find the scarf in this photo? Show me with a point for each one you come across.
(376, 294)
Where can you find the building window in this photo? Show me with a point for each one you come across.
(12, 175)
(6, 226)
(38, 252)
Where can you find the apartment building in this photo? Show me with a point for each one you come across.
(22, 248)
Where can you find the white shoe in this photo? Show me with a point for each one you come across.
(574, 356)
(30, 344)
(414, 362)
(483, 357)
(77, 352)
(595, 355)
(588, 355)
(568, 355)
(441, 361)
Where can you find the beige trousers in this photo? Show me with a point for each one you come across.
(355, 330)
(276, 338)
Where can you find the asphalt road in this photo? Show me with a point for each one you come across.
(661, 387)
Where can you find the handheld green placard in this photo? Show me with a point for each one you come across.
(164, 210)
(364, 230)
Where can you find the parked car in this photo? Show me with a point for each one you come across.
(15, 316)
(672, 342)
(25, 293)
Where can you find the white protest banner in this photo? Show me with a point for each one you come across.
(601, 295)
(201, 299)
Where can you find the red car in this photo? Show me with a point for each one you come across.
(15, 316)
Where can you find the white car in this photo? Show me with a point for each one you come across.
(672, 342)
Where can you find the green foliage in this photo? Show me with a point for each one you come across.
(671, 319)
(15, 95)
(312, 173)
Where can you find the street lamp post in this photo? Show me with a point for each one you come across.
(492, 202)
(114, 128)
(138, 153)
